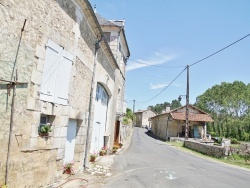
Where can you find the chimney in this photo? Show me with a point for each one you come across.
(167, 109)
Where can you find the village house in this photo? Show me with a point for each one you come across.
(142, 118)
(114, 33)
(171, 124)
(57, 69)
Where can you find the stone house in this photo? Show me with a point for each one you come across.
(142, 118)
(57, 68)
(114, 33)
(172, 123)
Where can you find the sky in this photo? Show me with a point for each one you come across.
(164, 36)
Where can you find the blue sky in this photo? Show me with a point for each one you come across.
(174, 33)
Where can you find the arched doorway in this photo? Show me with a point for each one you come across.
(100, 116)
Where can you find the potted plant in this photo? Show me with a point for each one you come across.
(120, 145)
(115, 148)
(68, 168)
(44, 129)
(103, 151)
(92, 157)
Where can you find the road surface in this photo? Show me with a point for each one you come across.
(151, 163)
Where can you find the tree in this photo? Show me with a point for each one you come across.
(158, 108)
(229, 105)
(129, 113)
(175, 104)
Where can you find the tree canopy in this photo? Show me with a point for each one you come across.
(158, 108)
(229, 105)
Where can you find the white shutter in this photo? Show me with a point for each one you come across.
(63, 78)
(47, 90)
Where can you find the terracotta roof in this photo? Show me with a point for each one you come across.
(192, 117)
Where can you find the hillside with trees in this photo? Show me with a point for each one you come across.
(229, 106)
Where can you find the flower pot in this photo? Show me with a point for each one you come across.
(67, 171)
(44, 134)
(92, 160)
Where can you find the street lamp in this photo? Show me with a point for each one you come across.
(187, 123)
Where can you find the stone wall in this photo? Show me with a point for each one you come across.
(36, 161)
(159, 126)
(210, 150)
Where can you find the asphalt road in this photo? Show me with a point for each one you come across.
(151, 163)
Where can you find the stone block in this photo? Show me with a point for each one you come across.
(34, 130)
(40, 52)
(31, 103)
(80, 115)
(57, 143)
(33, 143)
(41, 144)
(57, 110)
(73, 113)
(36, 77)
(56, 131)
(61, 120)
(65, 110)
(80, 140)
(40, 65)
(60, 154)
(48, 108)
(63, 131)
(63, 142)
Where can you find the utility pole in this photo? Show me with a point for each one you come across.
(187, 105)
(133, 112)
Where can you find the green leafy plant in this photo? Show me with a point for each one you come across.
(115, 148)
(45, 128)
(93, 157)
(120, 145)
(68, 167)
(103, 151)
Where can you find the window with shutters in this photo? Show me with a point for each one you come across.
(56, 74)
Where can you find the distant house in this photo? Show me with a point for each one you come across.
(172, 123)
(142, 118)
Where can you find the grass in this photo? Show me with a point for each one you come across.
(232, 160)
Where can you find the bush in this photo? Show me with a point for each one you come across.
(234, 141)
(125, 121)
(213, 134)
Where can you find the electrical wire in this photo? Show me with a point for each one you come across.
(190, 65)
(165, 87)
(156, 65)
(220, 50)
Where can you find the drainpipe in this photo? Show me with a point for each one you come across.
(90, 103)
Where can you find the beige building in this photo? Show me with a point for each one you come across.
(56, 68)
(142, 118)
(172, 123)
(114, 33)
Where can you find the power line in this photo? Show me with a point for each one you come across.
(165, 87)
(189, 66)
(220, 50)
(155, 65)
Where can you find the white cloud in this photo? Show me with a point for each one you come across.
(155, 59)
(162, 85)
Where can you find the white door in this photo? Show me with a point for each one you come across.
(101, 102)
(70, 143)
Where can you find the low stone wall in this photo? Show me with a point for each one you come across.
(210, 150)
